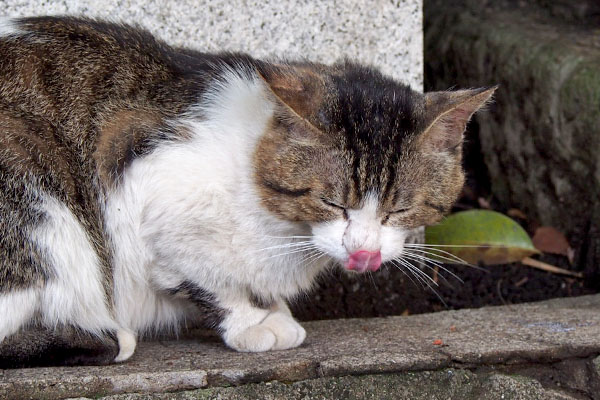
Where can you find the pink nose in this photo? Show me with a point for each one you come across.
(362, 260)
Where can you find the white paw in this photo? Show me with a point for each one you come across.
(277, 331)
(127, 343)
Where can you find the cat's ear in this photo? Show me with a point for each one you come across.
(447, 115)
(299, 95)
(299, 88)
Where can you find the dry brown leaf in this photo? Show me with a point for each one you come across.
(550, 240)
(516, 213)
(549, 267)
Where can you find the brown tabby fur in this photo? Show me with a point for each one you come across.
(300, 152)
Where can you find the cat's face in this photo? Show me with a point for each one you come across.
(360, 158)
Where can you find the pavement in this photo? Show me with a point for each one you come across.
(542, 350)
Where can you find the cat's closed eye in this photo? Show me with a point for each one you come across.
(332, 203)
(397, 212)
(400, 210)
(336, 206)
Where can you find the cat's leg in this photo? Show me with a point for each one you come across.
(76, 292)
(23, 346)
(17, 308)
(244, 323)
(247, 327)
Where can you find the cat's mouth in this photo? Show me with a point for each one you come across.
(363, 260)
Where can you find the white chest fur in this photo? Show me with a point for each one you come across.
(189, 212)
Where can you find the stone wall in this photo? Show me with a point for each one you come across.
(383, 33)
(541, 138)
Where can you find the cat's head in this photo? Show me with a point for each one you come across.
(361, 158)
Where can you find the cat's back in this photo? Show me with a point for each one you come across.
(67, 70)
(71, 89)
(70, 92)
(93, 92)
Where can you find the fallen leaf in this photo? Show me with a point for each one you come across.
(550, 240)
(549, 267)
(478, 236)
(438, 342)
(516, 213)
(453, 328)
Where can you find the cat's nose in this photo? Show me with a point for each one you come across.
(362, 260)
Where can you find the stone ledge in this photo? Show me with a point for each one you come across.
(507, 336)
(427, 385)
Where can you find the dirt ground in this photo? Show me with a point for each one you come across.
(394, 294)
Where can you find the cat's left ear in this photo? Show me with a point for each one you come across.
(447, 115)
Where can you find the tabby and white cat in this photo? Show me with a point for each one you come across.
(142, 186)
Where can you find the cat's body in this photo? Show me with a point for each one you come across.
(141, 183)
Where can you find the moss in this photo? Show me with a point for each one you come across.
(580, 94)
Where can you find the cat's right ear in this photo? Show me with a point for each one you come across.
(299, 88)
(447, 115)
(298, 92)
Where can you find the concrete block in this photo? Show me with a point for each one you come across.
(387, 34)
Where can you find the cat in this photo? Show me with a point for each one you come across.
(143, 187)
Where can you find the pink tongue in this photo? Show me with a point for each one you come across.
(362, 260)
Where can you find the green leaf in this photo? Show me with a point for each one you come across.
(481, 236)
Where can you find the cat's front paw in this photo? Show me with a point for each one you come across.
(277, 331)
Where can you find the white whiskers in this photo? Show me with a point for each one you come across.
(295, 245)
(431, 257)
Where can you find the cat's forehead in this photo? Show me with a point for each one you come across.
(375, 108)
(373, 119)
(361, 131)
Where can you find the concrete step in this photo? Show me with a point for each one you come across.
(547, 348)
